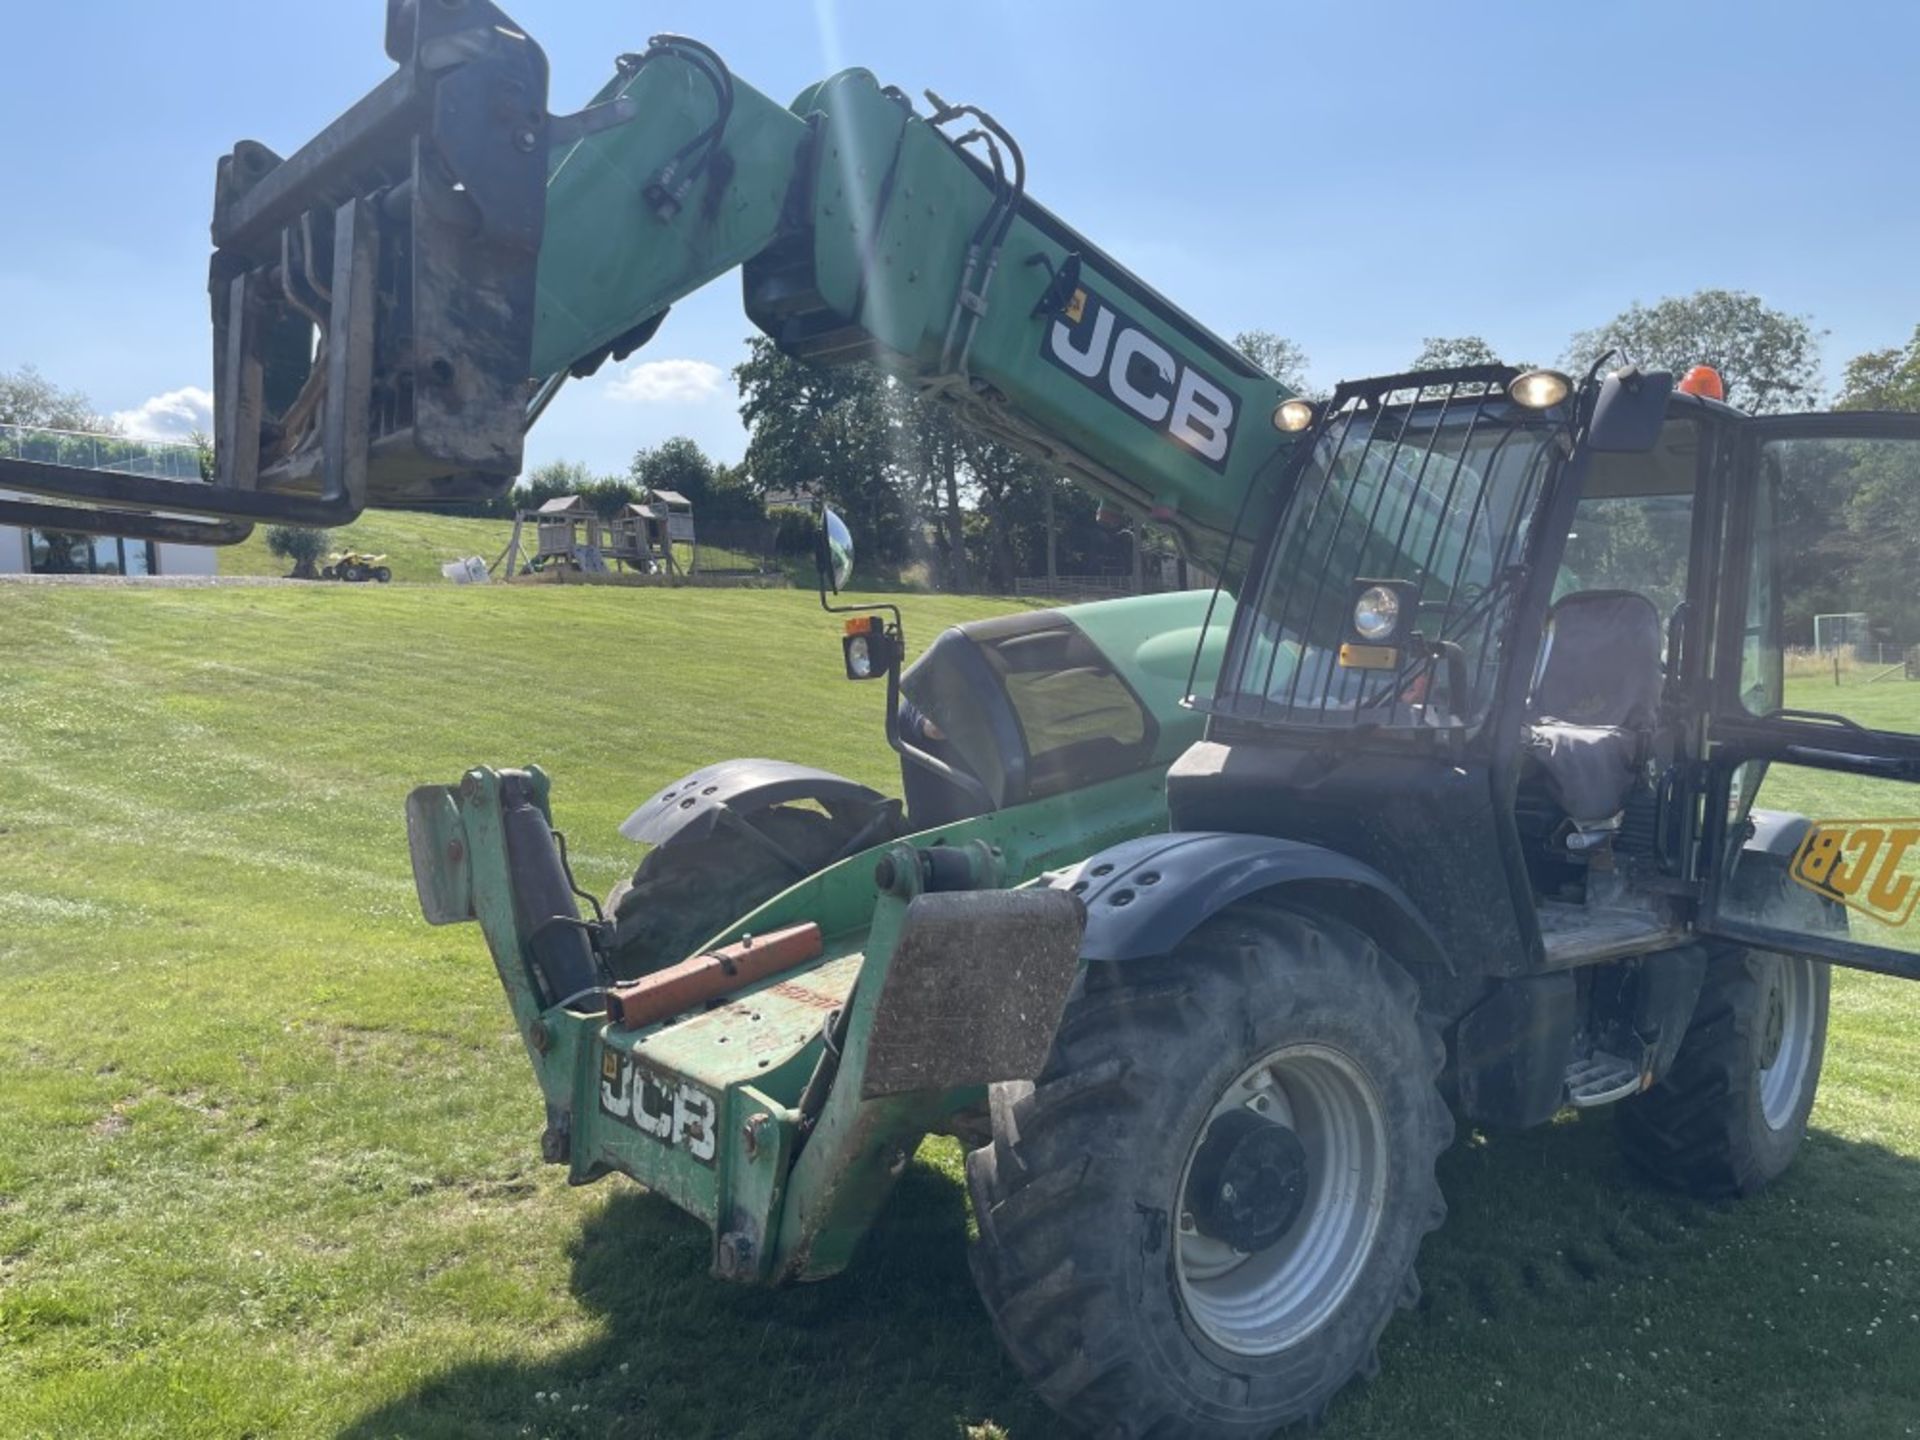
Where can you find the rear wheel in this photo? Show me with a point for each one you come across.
(684, 894)
(1730, 1115)
(1201, 1217)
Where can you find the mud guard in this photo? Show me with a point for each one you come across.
(1145, 896)
(695, 805)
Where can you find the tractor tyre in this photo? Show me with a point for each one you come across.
(326, 572)
(382, 574)
(1200, 1218)
(685, 894)
(1730, 1115)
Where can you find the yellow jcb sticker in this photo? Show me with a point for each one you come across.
(1871, 865)
(1077, 306)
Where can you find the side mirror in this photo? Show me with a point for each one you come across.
(1629, 412)
(833, 552)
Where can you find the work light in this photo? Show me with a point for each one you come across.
(1376, 614)
(869, 648)
(1539, 389)
(1380, 620)
(1293, 416)
(859, 657)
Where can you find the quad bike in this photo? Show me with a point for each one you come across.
(356, 566)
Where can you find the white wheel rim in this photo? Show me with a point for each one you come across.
(1783, 1080)
(1263, 1303)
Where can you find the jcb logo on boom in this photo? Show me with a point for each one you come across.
(1871, 865)
(1112, 356)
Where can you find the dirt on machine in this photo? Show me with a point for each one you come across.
(1201, 919)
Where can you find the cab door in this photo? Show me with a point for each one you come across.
(1810, 838)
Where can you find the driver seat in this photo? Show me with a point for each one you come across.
(1596, 699)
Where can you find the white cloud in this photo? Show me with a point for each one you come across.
(667, 382)
(172, 416)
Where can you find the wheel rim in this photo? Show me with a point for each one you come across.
(1786, 1042)
(1264, 1302)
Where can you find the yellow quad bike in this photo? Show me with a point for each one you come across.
(356, 565)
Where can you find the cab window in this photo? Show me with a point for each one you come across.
(1633, 526)
(1081, 721)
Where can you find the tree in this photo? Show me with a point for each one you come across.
(1444, 352)
(718, 495)
(823, 430)
(928, 455)
(300, 544)
(1275, 354)
(1769, 360)
(28, 398)
(606, 494)
(1883, 379)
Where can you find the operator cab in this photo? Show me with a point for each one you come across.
(1594, 741)
(1517, 645)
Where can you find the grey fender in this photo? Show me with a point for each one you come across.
(692, 806)
(1145, 896)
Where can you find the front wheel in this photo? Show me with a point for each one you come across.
(382, 574)
(1200, 1218)
(1731, 1113)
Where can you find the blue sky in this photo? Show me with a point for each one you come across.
(1353, 179)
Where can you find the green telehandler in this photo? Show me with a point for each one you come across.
(1199, 921)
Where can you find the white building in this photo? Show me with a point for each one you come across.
(36, 552)
(25, 551)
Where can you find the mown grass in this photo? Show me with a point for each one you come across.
(415, 543)
(268, 1156)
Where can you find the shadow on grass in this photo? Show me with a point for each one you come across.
(897, 1346)
(1564, 1296)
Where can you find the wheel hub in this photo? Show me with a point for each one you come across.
(1248, 1183)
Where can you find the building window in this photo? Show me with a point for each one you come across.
(60, 552)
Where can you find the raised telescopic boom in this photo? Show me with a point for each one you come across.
(395, 302)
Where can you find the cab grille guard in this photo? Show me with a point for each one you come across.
(372, 299)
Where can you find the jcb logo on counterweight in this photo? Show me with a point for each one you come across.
(1111, 355)
(674, 1112)
(1871, 865)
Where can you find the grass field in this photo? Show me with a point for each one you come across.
(416, 544)
(268, 1147)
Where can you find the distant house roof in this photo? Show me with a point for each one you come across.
(564, 505)
(670, 497)
(645, 512)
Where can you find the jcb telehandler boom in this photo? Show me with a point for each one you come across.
(395, 302)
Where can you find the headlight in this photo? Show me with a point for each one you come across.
(1376, 613)
(1293, 416)
(859, 657)
(1539, 389)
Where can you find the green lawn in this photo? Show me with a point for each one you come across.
(415, 543)
(268, 1147)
